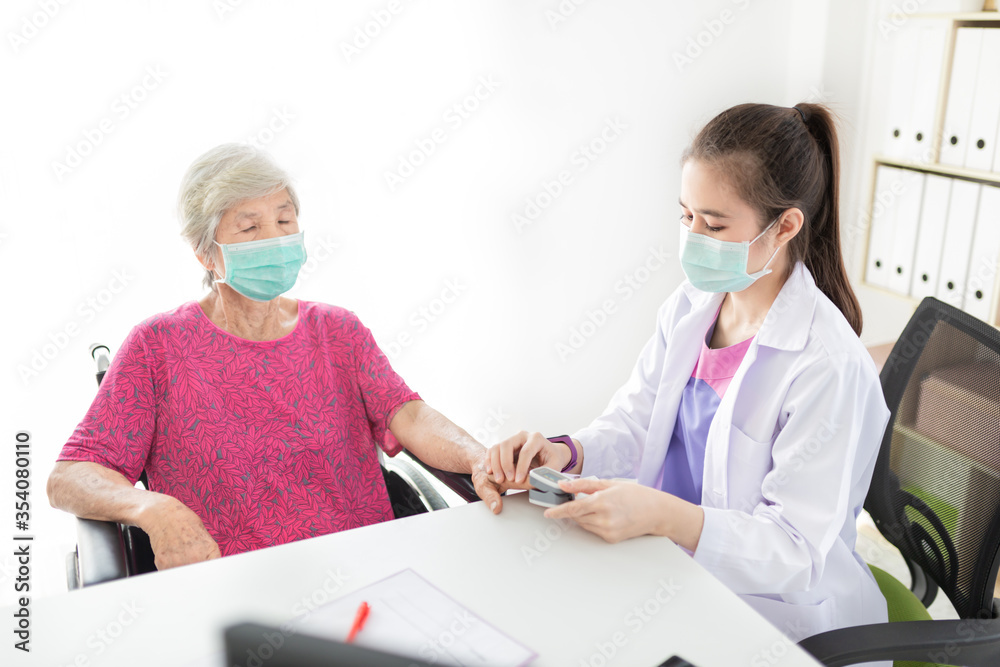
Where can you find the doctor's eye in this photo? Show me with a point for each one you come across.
(714, 229)
(687, 219)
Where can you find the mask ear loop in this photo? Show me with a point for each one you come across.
(215, 275)
(764, 270)
(765, 230)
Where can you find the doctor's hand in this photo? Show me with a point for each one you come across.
(511, 460)
(618, 510)
(614, 510)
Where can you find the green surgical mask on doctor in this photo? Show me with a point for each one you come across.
(265, 269)
(719, 266)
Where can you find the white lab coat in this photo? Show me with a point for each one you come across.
(789, 456)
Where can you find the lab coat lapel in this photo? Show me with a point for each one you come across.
(682, 354)
(786, 327)
(715, 477)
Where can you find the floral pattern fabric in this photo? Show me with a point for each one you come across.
(268, 442)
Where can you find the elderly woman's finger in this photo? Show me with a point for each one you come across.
(494, 466)
(489, 461)
(488, 492)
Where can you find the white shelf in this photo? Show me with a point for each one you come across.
(958, 17)
(987, 177)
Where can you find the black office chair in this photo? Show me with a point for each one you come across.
(935, 495)
(106, 550)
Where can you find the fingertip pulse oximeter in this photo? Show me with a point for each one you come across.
(547, 492)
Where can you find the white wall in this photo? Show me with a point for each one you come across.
(344, 123)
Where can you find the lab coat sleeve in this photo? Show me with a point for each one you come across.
(832, 421)
(613, 443)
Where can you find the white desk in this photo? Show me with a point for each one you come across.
(488, 563)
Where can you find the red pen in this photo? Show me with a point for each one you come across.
(359, 621)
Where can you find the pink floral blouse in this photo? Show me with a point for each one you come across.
(268, 442)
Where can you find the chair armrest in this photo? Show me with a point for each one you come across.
(138, 551)
(458, 482)
(954, 642)
(101, 551)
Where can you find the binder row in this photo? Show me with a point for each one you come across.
(934, 235)
(969, 136)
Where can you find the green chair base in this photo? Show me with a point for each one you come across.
(903, 605)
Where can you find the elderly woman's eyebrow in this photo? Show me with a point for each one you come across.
(254, 214)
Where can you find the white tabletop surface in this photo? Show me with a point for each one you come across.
(641, 600)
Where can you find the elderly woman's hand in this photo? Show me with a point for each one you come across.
(176, 534)
(486, 487)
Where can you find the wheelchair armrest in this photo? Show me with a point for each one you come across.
(138, 551)
(954, 642)
(100, 551)
(458, 482)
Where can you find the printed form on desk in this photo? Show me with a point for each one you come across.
(411, 617)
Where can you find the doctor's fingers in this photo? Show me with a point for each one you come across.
(603, 526)
(533, 448)
(575, 509)
(502, 457)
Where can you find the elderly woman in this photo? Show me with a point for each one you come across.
(255, 416)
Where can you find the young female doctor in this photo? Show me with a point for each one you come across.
(754, 414)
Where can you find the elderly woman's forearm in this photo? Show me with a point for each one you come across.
(435, 439)
(91, 491)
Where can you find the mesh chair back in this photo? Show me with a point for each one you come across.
(935, 492)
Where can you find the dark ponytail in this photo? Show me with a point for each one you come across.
(779, 158)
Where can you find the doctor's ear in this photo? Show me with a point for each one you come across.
(789, 225)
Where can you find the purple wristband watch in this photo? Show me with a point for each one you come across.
(568, 441)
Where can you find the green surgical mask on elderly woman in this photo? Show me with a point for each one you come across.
(265, 269)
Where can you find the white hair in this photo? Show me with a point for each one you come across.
(218, 180)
